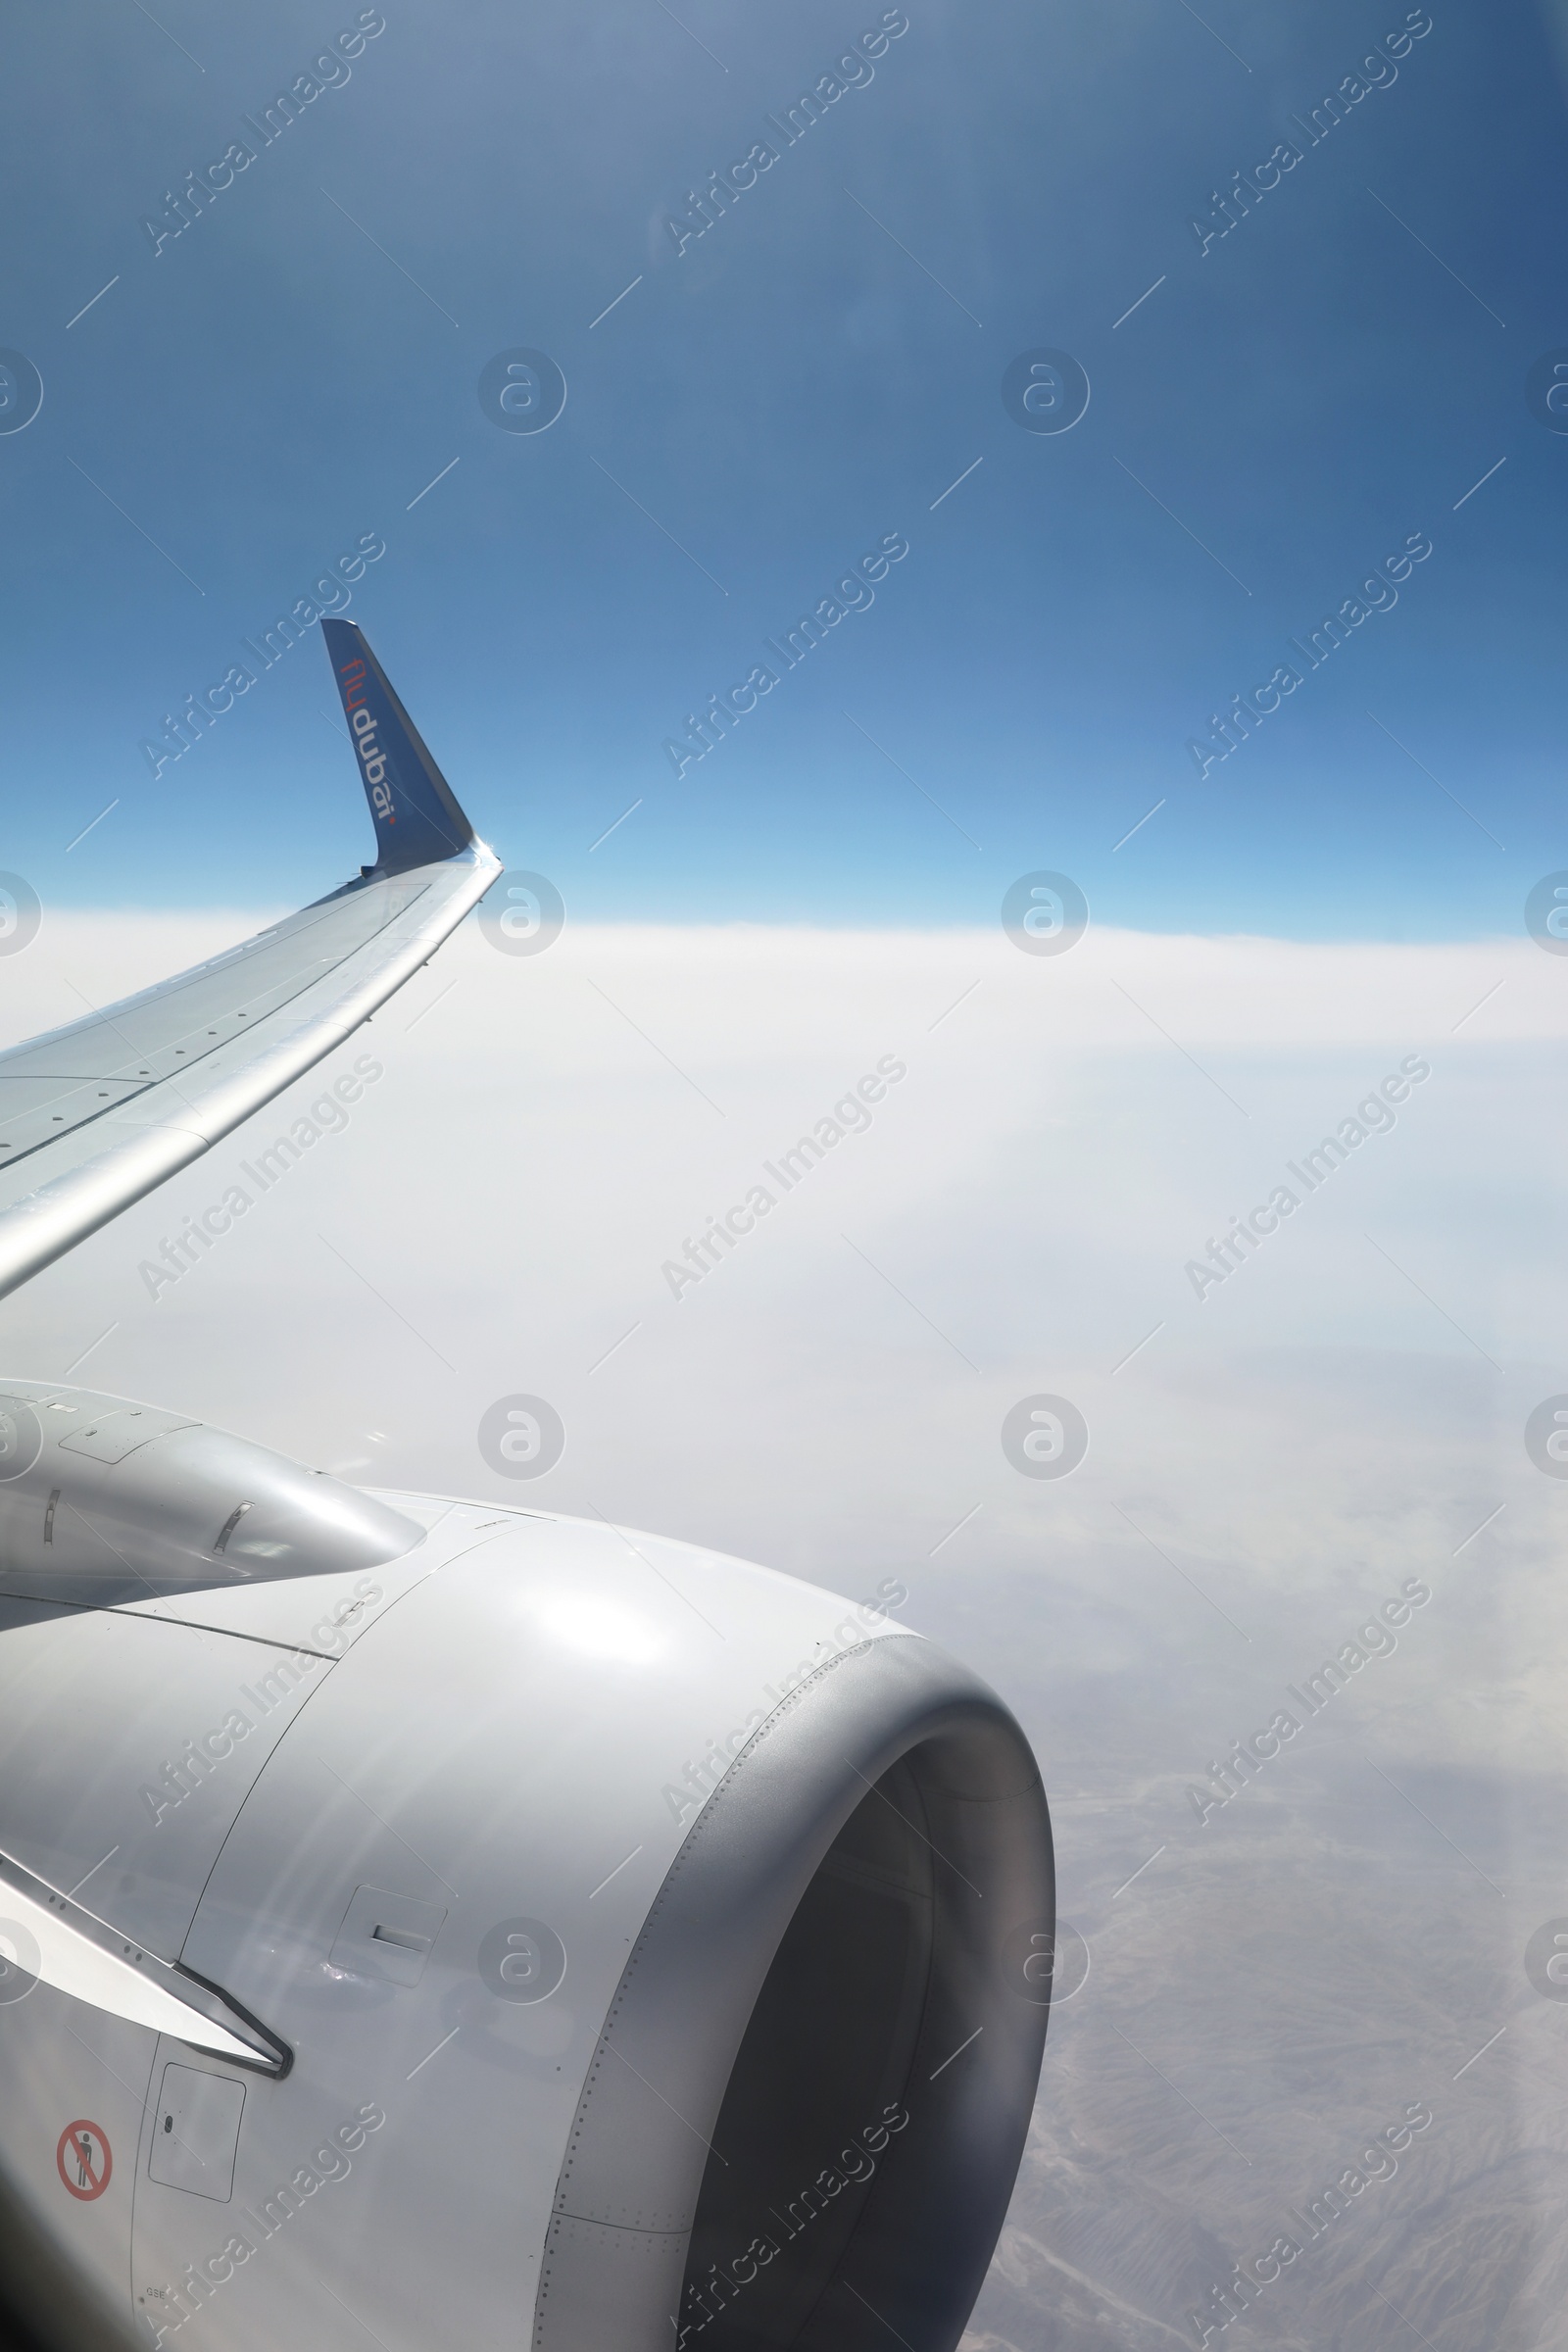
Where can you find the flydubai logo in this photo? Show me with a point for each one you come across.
(372, 760)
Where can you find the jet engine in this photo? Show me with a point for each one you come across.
(424, 1923)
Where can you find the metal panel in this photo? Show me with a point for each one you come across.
(509, 1745)
(109, 1435)
(327, 1612)
(386, 1935)
(34, 1110)
(196, 2132)
(61, 2064)
(126, 1748)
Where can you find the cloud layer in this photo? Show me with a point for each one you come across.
(1272, 1978)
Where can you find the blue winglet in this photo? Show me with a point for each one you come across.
(416, 817)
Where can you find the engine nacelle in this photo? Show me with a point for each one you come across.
(585, 1940)
(105, 1501)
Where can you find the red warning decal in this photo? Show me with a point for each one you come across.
(83, 2161)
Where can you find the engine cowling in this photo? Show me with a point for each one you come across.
(618, 1943)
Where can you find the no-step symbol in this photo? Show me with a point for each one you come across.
(83, 2161)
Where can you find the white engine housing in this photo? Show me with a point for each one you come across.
(634, 1948)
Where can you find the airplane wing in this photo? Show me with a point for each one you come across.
(94, 1116)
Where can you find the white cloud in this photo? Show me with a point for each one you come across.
(1337, 1417)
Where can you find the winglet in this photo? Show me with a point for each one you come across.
(416, 817)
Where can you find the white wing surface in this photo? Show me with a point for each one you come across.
(97, 1114)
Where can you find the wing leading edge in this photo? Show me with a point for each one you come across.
(95, 1116)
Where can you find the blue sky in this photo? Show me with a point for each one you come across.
(760, 409)
(1270, 420)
